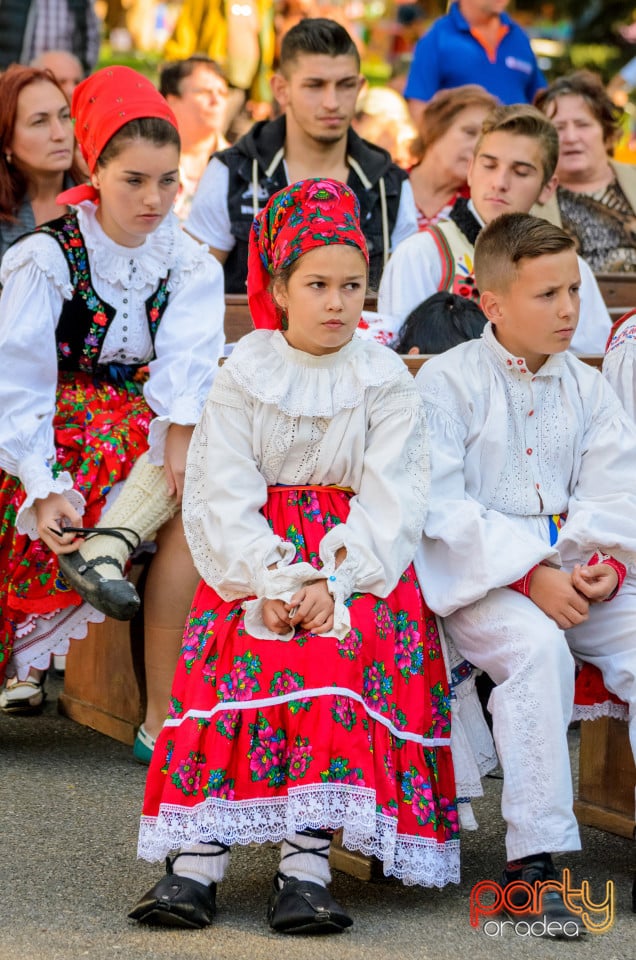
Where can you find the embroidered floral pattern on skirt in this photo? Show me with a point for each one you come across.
(100, 430)
(265, 738)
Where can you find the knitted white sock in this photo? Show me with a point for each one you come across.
(202, 862)
(143, 505)
(306, 863)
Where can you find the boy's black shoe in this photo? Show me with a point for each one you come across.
(552, 919)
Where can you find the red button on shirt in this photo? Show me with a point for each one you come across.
(529, 450)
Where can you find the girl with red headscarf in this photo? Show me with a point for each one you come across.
(310, 694)
(110, 332)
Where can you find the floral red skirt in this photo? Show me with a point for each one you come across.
(100, 430)
(265, 738)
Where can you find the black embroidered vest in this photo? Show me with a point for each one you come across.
(85, 319)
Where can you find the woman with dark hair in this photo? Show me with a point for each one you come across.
(440, 322)
(110, 331)
(449, 128)
(596, 198)
(36, 150)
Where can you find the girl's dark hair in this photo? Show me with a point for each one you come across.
(158, 131)
(441, 322)
(13, 183)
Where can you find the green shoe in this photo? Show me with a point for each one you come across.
(143, 746)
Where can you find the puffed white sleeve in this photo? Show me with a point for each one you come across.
(384, 525)
(189, 342)
(619, 366)
(35, 282)
(467, 549)
(413, 274)
(594, 324)
(602, 505)
(231, 542)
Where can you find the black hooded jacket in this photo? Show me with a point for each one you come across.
(255, 164)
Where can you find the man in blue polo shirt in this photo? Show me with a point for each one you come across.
(475, 42)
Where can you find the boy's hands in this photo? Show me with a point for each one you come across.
(554, 592)
(597, 582)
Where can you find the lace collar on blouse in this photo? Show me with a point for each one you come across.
(266, 367)
(114, 263)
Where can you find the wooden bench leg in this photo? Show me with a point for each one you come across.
(353, 862)
(607, 777)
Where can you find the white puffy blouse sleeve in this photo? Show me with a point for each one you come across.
(189, 342)
(35, 282)
(230, 540)
(387, 513)
(619, 365)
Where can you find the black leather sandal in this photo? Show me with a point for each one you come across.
(179, 901)
(115, 598)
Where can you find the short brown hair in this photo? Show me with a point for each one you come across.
(442, 110)
(509, 239)
(584, 83)
(522, 120)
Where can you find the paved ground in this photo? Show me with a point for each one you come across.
(70, 798)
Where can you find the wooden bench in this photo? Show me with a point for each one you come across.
(618, 291)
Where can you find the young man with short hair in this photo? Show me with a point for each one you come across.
(511, 170)
(316, 87)
(531, 526)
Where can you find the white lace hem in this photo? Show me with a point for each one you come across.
(412, 859)
(594, 711)
(39, 637)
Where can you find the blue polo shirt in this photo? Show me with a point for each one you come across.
(450, 56)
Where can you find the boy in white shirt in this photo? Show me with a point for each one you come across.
(531, 524)
(511, 170)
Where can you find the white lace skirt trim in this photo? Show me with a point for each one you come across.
(41, 636)
(412, 859)
(594, 711)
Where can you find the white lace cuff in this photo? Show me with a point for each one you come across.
(186, 412)
(281, 583)
(39, 484)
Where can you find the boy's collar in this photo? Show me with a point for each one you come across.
(552, 367)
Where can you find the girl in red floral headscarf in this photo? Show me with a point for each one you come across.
(310, 694)
(110, 332)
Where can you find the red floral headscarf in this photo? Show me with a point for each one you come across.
(101, 105)
(307, 214)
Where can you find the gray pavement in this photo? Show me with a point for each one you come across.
(69, 802)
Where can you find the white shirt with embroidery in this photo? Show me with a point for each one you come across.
(510, 449)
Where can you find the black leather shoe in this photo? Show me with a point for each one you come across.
(115, 598)
(299, 906)
(552, 909)
(177, 902)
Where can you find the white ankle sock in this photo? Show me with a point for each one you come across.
(307, 865)
(196, 863)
